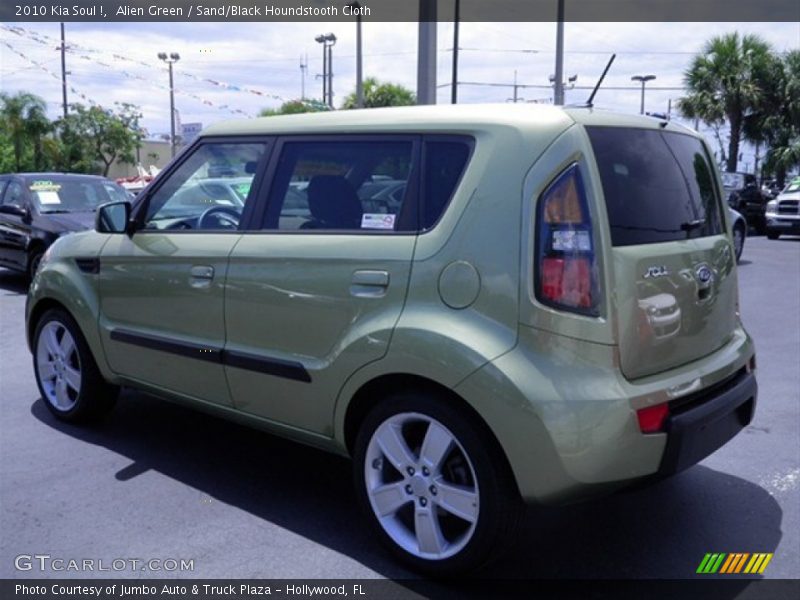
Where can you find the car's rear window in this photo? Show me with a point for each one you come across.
(658, 186)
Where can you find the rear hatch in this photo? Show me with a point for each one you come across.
(674, 286)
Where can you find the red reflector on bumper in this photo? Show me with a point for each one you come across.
(651, 419)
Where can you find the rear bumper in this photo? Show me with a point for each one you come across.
(700, 425)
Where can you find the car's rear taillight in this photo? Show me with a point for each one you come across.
(566, 269)
(652, 418)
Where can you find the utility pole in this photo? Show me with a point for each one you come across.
(558, 84)
(170, 60)
(515, 99)
(426, 53)
(63, 70)
(454, 88)
(303, 69)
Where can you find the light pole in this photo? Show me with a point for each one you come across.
(426, 53)
(454, 88)
(559, 91)
(359, 64)
(320, 39)
(327, 40)
(643, 79)
(171, 60)
(558, 87)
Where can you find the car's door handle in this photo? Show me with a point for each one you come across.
(201, 276)
(202, 272)
(369, 284)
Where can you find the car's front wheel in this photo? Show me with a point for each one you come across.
(738, 240)
(434, 485)
(34, 258)
(68, 378)
(773, 235)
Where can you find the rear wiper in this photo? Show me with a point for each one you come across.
(689, 225)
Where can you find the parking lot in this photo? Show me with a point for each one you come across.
(159, 481)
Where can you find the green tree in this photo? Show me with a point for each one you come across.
(378, 94)
(777, 124)
(24, 123)
(727, 82)
(294, 107)
(97, 136)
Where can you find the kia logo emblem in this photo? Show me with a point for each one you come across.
(704, 274)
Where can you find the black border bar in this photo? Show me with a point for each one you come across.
(399, 10)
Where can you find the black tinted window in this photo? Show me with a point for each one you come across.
(658, 186)
(338, 185)
(444, 164)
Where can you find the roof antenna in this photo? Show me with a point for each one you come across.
(589, 102)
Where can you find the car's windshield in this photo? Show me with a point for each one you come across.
(794, 186)
(66, 194)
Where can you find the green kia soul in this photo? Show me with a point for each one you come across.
(485, 306)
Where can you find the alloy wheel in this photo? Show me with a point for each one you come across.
(58, 366)
(422, 486)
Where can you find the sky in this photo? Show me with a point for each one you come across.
(266, 57)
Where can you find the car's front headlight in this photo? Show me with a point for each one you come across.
(772, 206)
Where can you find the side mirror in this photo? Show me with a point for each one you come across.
(113, 217)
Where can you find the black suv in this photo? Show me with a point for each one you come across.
(38, 208)
(745, 196)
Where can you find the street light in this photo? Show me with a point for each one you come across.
(328, 41)
(170, 60)
(643, 79)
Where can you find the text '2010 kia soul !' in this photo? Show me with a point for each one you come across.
(482, 306)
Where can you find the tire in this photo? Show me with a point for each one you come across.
(68, 378)
(773, 235)
(738, 240)
(471, 478)
(34, 258)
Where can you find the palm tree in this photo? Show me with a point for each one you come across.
(778, 124)
(378, 94)
(727, 82)
(23, 117)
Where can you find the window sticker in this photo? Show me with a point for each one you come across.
(242, 189)
(377, 221)
(44, 186)
(48, 197)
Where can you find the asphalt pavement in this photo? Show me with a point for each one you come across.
(160, 481)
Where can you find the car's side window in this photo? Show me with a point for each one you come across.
(208, 191)
(444, 163)
(15, 194)
(342, 185)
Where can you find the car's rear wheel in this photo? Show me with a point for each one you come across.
(68, 378)
(773, 235)
(434, 486)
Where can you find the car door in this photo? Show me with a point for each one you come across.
(316, 293)
(162, 288)
(15, 227)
